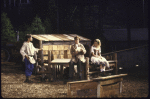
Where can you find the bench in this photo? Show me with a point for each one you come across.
(87, 71)
(100, 87)
(110, 57)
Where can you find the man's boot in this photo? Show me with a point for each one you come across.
(27, 80)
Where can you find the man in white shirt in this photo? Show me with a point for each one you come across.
(27, 52)
(77, 52)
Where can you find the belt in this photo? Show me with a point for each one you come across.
(31, 55)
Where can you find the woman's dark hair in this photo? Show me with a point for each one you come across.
(27, 36)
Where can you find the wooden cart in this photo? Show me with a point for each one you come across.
(58, 46)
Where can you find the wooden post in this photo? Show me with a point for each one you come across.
(98, 89)
(120, 89)
(115, 58)
(36, 64)
(49, 64)
(54, 72)
(68, 90)
(87, 68)
(41, 56)
(61, 71)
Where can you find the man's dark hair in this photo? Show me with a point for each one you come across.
(27, 36)
(77, 37)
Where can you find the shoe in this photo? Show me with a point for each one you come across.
(28, 81)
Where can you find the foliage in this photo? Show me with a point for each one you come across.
(7, 32)
(48, 26)
(36, 26)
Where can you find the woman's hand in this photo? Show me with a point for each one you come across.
(27, 57)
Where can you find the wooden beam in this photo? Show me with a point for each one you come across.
(49, 64)
(41, 56)
(87, 68)
(98, 89)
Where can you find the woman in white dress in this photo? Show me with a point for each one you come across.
(96, 57)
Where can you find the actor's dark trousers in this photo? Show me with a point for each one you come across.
(28, 67)
(71, 67)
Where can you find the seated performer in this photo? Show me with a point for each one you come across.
(96, 57)
(27, 52)
(77, 51)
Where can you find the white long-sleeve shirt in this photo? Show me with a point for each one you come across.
(28, 49)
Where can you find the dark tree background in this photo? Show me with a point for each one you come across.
(84, 17)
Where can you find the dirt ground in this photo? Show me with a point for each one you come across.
(12, 86)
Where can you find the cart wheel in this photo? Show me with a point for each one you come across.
(4, 55)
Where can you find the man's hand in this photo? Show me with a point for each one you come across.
(41, 49)
(27, 57)
(76, 52)
(81, 50)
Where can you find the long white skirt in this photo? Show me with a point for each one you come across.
(97, 60)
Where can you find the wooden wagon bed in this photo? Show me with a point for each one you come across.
(56, 48)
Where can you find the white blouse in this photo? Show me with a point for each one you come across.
(96, 50)
(27, 49)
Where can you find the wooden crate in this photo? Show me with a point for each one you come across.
(102, 87)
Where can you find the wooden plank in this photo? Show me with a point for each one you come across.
(47, 38)
(99, 71)
(45, 52)
(61, 71)
(41, 56)
(66, 47)
(60, 47)
(120, 87)
(61, 52)
(111, 86)
(61, 56)
(86, 85)
(54, 47)
(50, 47)
(109, 77)
(61, 36)
(81, 37)
(45, 47)
(65, 54)
(68, 52)
(55, 57)
(60, 61)
(69, 56)
(55, 52)
(110, 90)
(54, 72)
(35, 36)
(45, 57)
(69, 37)
(86, 93)
(44, 37)
(99, 89)
(53, 38)
(87, 68)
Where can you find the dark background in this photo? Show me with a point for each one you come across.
(87, 18)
